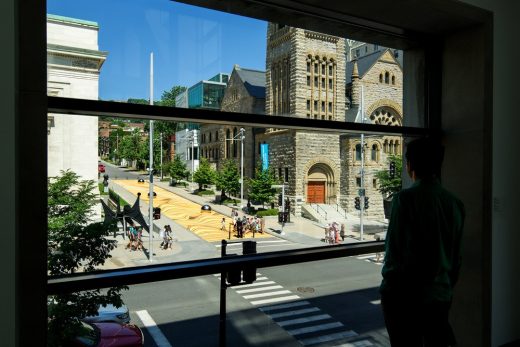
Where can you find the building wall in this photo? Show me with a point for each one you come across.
(73, 140)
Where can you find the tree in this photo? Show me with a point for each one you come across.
(177, 169)
(204, 174)
(75, 243)
(260, 187)
(168, 96)
(228, 178)
(129, 146)
(388, 186)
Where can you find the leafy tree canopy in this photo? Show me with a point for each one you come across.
(260, 187)
(177, 169)
(388, 186)
(228, 178)
(75, 243)
(204, 174)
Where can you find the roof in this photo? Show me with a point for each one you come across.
(254, 81)
(71, 20)
(364, 64)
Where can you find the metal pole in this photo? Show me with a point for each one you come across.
(362, 199)
(150, 202)
(161, 158)
(223, 287)
(192, 155)
(241, 168)
(283, 208)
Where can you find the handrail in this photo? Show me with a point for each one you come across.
(163, 272)
(338, 208)
(317, 210)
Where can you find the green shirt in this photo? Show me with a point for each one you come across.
(423, 242)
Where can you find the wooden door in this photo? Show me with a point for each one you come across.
(316, 192)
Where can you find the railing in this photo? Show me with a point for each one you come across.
(318, 208)
(163, 272)
(341, 210)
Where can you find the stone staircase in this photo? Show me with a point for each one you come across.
(323, 213)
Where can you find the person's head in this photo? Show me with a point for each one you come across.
(424, 158)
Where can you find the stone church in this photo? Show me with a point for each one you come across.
(308, 76)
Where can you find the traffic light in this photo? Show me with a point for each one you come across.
(366, 202)
(280, 217)
(156, 213)
(285, 215)
(249, 274)
(392, 169)
(287, 205)
(357, 203)
(280, 201)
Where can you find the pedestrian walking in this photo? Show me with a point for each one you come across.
(223, 224)
(422, 253)
(342, 232)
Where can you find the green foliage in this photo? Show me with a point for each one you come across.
(205, 174)
(260, 187)
(228, 178)
(269, 212)
(205, 192)
(138, 101)
(177, 169)
(75, 243)
(101, 189)
(389, 186)
(168, 96)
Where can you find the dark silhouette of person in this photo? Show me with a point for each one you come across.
(422, 258)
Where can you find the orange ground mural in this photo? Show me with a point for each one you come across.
(206, 225)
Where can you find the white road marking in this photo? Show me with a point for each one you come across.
(263, 295)
(256, 284)
(258, 289)
(293, 313)
(282, 306)
(361, 343)
(304, 320)
(327, 338)
(267, 301)
(315, 328)
(367, 256)
(376, 302)
(153, 329)
(239, 244)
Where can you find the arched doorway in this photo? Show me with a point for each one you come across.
(320, 184)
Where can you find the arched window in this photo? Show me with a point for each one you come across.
(385, 146)
(391, 147)
(387, 77)
(380, 78)
(396, 147)
(375, 152)
(235, 151)
(216, 135)
(358, 152)
(210, 134)
(227, 144)
(393, 79)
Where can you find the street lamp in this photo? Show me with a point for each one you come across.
(240, 136)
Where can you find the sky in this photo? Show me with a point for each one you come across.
(189, 43)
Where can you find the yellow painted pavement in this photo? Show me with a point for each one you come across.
(205, 225)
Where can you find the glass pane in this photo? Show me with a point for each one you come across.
(212, 60)
(294, 305)
(290, 189)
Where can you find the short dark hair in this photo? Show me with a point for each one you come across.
(425, 156)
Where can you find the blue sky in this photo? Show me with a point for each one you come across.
(189, 43)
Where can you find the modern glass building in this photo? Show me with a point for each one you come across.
(208, 94)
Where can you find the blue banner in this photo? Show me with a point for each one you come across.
(264, 154)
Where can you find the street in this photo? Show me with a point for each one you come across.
(327, 303)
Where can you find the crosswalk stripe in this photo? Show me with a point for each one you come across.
(256, 284)
(282, 306)
(303, 320)
(376, 302)
(263, 295)
(279, 299)
(239, 244)
(258, 289)
(315, 328)
(153, 329)
(293, 313)
(327, 338)
(366, 256)
(361, 343)
(262, 278)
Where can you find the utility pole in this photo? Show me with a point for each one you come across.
(362, 190)
(242, 168)
(150, 193)
(161, 158)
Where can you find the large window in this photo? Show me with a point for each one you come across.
(269, 128)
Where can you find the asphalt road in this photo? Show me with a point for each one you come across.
(334, 303)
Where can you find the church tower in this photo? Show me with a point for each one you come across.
(305, 78)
